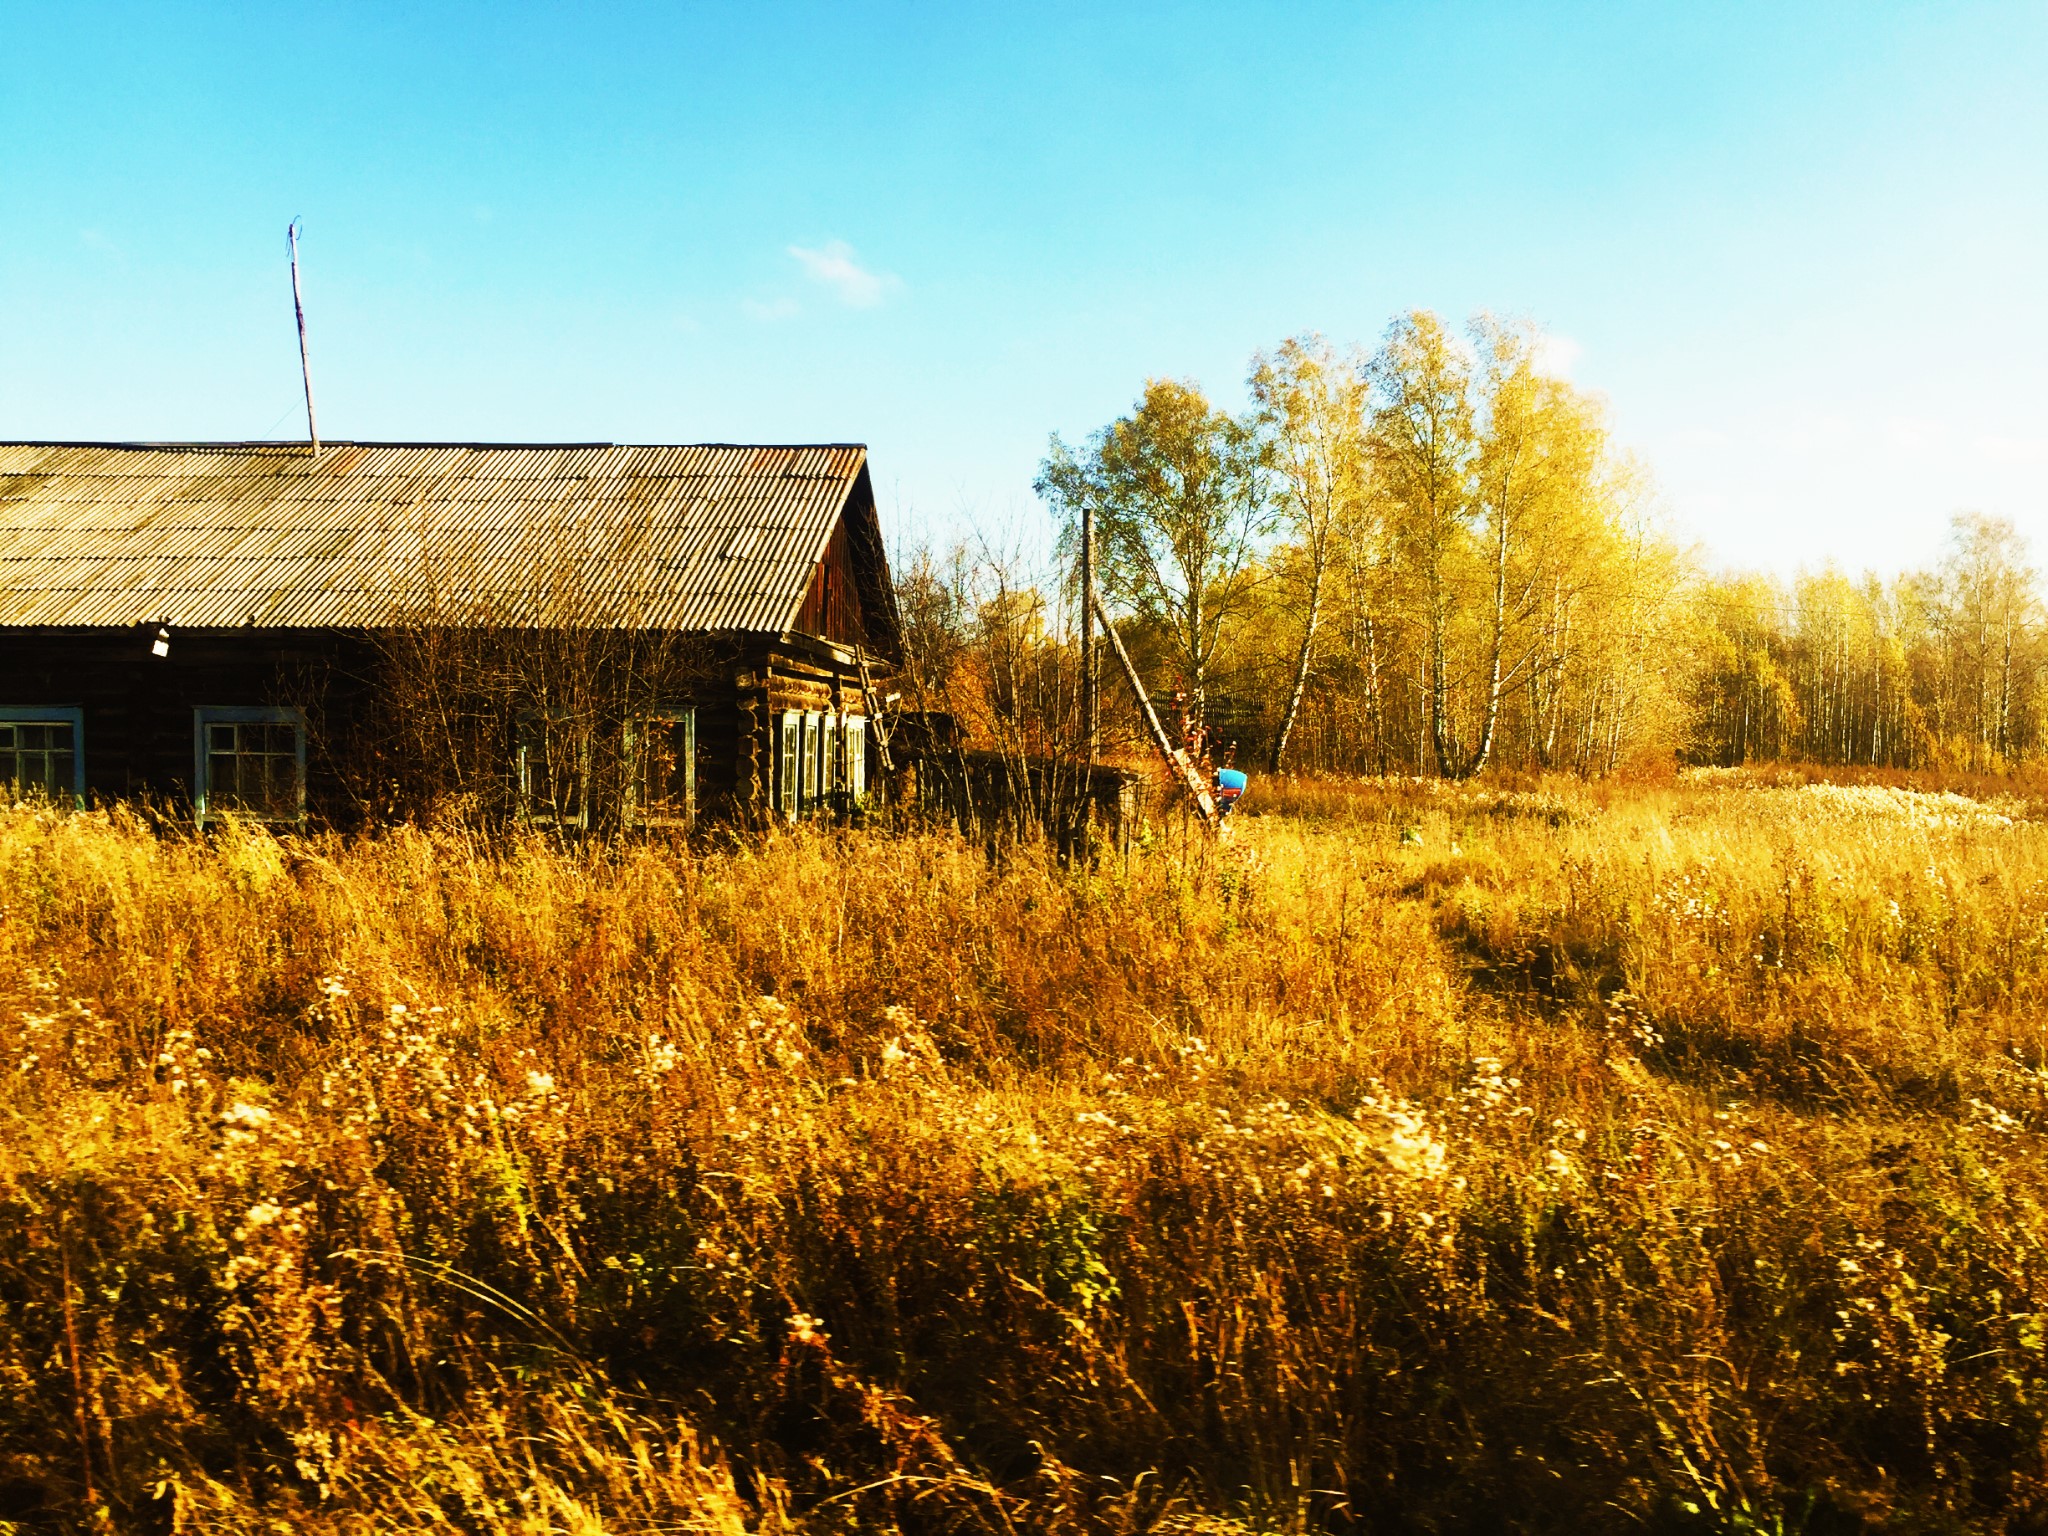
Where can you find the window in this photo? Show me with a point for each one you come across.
(662, 750)
(856, 757)
(40, 753)
(787, 761)
(251, 761)
(554, 770)
(807, 774)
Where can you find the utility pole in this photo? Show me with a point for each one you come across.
(1091, 722)
(291, 234)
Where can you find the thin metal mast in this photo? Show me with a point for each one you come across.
(291, 234)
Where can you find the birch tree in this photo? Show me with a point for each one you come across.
(1423, 444)
(1988, 603)
(1536, 484)
(1181, 509)
(1312, 407)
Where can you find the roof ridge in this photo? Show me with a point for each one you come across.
(146, 445)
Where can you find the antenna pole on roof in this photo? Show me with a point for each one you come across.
(291, 234)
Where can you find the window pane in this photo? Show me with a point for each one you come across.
(650, 769)
(220, 738)
(62, 781)
(540, 780)
(786, 770)
(665, 764)
(222, 787)
(259, 782)
(281, 798)
(686, 763)
(675, 747)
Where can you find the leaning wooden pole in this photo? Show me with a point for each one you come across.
(1091, 714)
(1176, 758)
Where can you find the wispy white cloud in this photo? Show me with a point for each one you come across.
(770, 310)
(1917, 434)
(1556, 355)
(835, 265)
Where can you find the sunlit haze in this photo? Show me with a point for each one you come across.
(1798, 247)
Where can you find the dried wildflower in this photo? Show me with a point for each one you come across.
(244, 1123)
(1403, 1137)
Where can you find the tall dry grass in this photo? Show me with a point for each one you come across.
(1498, 1158)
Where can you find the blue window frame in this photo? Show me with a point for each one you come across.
(249, 760)
(42, 750)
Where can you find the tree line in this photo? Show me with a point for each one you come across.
(1944, 668)
(1431, 557)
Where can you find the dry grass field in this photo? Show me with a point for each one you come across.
(1537, 1158)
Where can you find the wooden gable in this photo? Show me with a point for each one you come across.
(850, 599)
(832, 608)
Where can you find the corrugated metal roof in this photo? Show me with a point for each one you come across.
(711, 536)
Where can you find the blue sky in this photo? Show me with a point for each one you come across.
(1800, 247)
